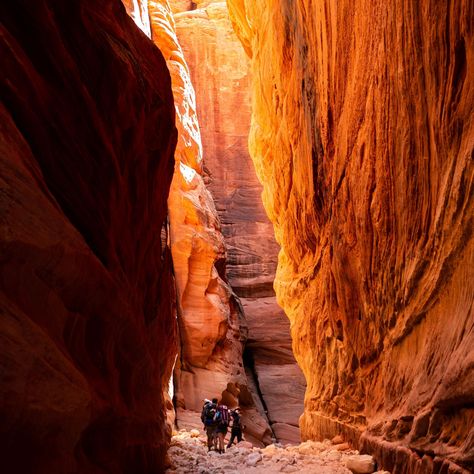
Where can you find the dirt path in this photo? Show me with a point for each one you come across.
(188, 454)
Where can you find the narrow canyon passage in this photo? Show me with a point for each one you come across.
(234, 348)
(269, 202)
(220, 74)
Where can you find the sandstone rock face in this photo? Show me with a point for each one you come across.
(211, 327)
(208, 314)
(220, 73)
(281, 382)
(363, 138)
(87, 332)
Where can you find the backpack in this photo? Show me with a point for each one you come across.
(208, 414)
(236, 421)
(222, 416)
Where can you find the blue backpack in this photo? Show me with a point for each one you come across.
(208, 414)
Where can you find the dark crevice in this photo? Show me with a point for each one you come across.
(249, 365)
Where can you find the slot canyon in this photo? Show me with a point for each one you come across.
(269, 202)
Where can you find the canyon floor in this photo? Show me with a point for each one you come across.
(188, 454)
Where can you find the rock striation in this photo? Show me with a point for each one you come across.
(87, 332)
(211, 327)
(363, 136)
(220, 73)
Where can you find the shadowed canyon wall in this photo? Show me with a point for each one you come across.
(220, 72)
(88, 330)
(363, 135)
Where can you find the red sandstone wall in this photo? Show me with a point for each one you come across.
(87, 332)
(363, 136)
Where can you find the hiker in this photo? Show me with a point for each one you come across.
(222, 420)
(207, 417)
(236, 431)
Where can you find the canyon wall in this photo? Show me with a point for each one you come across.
(363, 136)
(87, 332)
(211, 325)
(208, 314)
(220, 73)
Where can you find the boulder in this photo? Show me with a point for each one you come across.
(361, 464)
(253, 459)
(310, 447)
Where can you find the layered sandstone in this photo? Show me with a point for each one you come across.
(220, 73)
(208, 315)
(363, 136)
(211, 328)
(87, 334)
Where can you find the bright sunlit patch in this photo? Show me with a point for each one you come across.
(187, 172)
(170, 381)
(183, 90)
(140, 17)
(186, 111)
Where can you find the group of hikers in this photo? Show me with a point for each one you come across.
(216, 419)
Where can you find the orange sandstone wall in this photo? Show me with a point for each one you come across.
(363, 136)
(211, 327)
(220, 72)
(87, 326)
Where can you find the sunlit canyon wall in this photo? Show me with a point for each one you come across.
(87, 328)
(211, 324)
(363, 135)
(220, 73)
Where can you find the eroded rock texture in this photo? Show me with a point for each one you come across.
(212, 330)
(220, 73)
(87, 333)
(363, 138)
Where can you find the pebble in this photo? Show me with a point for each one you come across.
(338, 439)
(245, 445)
(289, 468)
(342, 447)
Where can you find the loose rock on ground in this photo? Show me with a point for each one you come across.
(188, 454)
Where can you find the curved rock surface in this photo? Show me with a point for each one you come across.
(211, 327)
(208, 315)
(220, 72)
(363, 136)
(87, 332)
